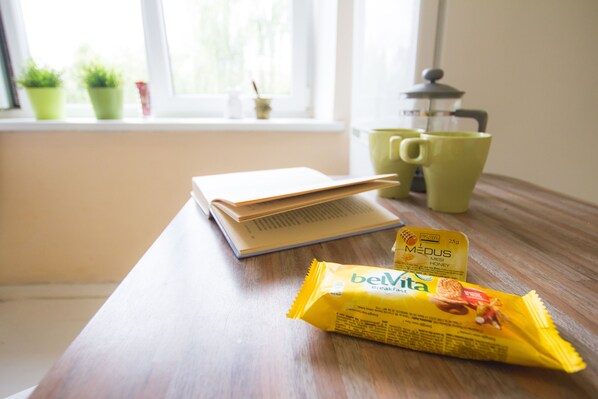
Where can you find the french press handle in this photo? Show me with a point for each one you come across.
(480, 116)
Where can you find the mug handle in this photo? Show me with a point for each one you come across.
(394, 148)
(422, 158)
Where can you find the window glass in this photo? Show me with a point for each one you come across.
(217, 45)
(385, 54)
(64, 34)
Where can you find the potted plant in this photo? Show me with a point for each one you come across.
(104, 86)
(45, 91)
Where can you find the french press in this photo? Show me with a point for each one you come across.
(433, 106)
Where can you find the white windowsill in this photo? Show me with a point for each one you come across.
(173, 125)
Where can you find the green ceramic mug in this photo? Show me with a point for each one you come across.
(452, 164)
(384, 147)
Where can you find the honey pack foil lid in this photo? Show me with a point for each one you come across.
(440, 253)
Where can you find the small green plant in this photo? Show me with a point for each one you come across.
(97, 75)
(35, 76)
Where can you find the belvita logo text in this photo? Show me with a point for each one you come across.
(387, 279)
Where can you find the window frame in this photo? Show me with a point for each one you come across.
(8, 87)
(16, 41)
(165, 103)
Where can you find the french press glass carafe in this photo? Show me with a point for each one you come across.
(433, 106)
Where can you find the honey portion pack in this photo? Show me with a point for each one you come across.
(432, 314)
(440, 253)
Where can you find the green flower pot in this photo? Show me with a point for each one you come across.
(47, 102)
(107, 102)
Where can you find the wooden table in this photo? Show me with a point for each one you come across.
(191, 320)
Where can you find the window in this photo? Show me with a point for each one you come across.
(384, 58)
(192, 52)
(110, 32)
(201, 49)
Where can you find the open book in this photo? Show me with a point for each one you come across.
(268, 210)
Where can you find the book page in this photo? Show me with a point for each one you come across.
(261, 209)
(251, 185)
(247, 188)
(316, 223)
(300, 188)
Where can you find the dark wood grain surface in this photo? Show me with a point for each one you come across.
(192, 321)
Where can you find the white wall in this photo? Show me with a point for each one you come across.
(84, 206)
(532, 65)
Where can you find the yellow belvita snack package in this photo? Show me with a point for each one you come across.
(440, 253)
(432, 314)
